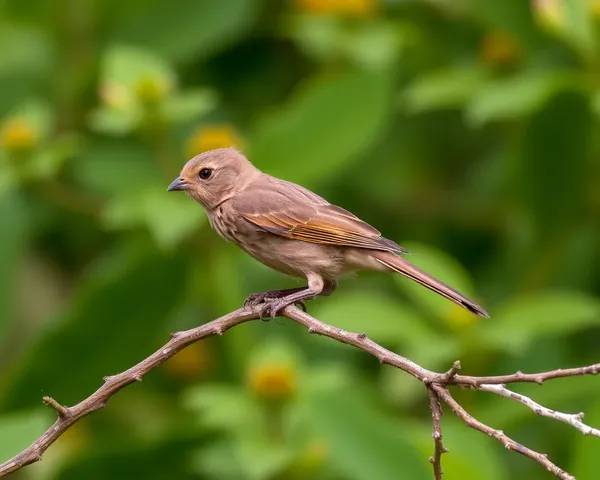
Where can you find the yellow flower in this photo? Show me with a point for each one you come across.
(190, 362)
(595, 8)
(351, 8)
(498, 49)
(17, 135)
(277, 381)
(211, 137)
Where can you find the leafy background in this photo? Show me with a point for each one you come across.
(463, 129)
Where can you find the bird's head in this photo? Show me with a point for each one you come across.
(215, 176)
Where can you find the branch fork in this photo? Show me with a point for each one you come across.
(437, 385)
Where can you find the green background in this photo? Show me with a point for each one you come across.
(465, 130)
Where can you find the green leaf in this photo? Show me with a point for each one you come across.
(245, 457)
(125, 66)
(444, 89)
(114, 122)
(112, 324)
(19, 430)
(317, 36)
(222, 407)
(441, 266)
(373, 44)
(525, 320)
(24, 50)
(170, 218)
(189, 105)
(517, 96)
(580, 26)
(363, 442)
(329, 122)
(189, 29)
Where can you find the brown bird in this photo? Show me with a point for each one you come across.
(293, 230)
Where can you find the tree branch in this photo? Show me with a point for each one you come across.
(499, 435)
(436, 417)
(436, 383)
(573, 419)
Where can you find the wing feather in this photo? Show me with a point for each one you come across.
(291, 211)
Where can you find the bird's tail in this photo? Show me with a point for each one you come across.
(403, 267)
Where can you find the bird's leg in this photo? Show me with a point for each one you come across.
(274, 306)
(316, 286)
(256, 298)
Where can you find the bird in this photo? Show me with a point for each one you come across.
(294, 231)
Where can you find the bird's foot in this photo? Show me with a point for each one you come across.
(258, 298)
(265, 297)
(273, 307)
(273, 301)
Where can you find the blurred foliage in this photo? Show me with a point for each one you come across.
(463, 129)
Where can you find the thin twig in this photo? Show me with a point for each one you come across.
(69, 416)
(573, 419)
(520, 377)
(499, 435)
(436, 383)
(438, 450)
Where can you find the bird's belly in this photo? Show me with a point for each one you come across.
(294, 257)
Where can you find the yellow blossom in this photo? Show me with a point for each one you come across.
(18, 135)
(213, 136)
(498, 49)
(277, 381)
(351, 8)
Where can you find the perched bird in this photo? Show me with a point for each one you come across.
(293, 230)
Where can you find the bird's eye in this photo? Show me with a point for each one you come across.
(205, 173)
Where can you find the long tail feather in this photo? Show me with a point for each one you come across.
(403, 267)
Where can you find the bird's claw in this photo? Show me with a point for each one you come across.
(270, 309)
(300, 304)
(255, 299)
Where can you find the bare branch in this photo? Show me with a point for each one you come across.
(68, 416)
(573, 419)
(436, 383)
(520, 377)
(499, 435)
(436, 417)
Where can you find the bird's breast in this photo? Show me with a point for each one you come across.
(223, 223)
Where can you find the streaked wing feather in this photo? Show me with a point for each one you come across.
(312, 219)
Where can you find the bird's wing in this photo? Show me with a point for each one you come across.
(291, 211)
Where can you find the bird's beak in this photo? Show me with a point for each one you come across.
(178, 184)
